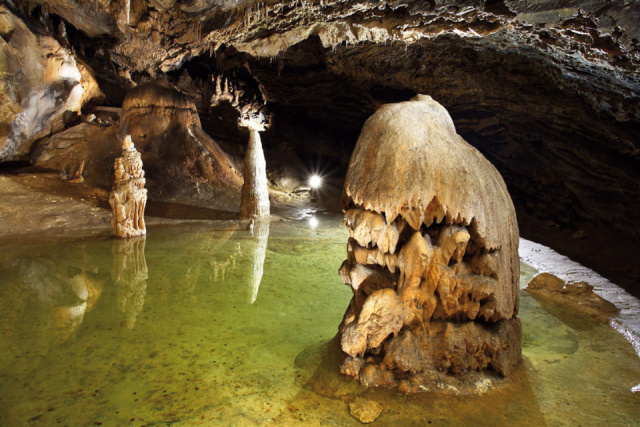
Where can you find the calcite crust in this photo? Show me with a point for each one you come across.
(433, 255)
(128, 197)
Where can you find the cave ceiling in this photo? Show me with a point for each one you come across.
(548, 90)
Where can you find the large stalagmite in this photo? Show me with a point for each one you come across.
(433, 254)
(255, 193)
(128, 197)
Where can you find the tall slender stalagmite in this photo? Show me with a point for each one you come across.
(255, 194)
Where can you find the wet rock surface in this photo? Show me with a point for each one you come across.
(365, 411)
(576, 294)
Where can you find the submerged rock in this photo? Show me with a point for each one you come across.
(576, 294)
(365, 411)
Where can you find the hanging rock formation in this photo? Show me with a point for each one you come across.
(128, 197)
(433, 254)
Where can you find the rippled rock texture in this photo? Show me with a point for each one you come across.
(433, 254)
(547, 90)
(42, 85)
(128, 197)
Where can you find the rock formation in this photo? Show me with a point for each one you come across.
(164, 124)
(433, 254)
(255, 193)
(128, 197)
(42, 85)
(575, 294)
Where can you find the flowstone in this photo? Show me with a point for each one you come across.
(433, 256)
(128, 197)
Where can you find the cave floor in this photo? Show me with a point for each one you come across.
(205, 323)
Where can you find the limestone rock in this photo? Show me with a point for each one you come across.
(42, 86)
(365, 411)
(577, 294)
(94, 146)
(128, 197)
(433, 254)
(165, 127)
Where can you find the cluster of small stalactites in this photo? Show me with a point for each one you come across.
(410, 281)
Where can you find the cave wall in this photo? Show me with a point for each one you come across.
(548, 91)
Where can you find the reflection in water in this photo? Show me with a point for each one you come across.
(43, 302)
(259, 251)
(66, 292)
(200, 354)
(129, 275)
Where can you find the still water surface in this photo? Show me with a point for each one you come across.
(209, 324)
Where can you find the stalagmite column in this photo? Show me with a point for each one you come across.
(255, 194)
(433, 256)
(128, 197)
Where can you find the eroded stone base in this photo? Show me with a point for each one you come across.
(422, 357)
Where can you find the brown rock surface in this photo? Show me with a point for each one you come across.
(417, 193)
(365, 411)
(178, 155)
(42, 86)
(576, 294)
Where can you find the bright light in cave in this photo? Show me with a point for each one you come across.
(313, 222)
(315, 181)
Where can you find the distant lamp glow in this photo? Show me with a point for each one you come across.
(313, 222)
(315, 181)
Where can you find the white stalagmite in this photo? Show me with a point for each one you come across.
(128, 197)
(255, 194)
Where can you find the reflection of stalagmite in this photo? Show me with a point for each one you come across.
(255, 194)
(128, 196)
(261, 236)
(433, 254)
(129, 274)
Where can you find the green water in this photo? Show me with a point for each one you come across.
(207, 324)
